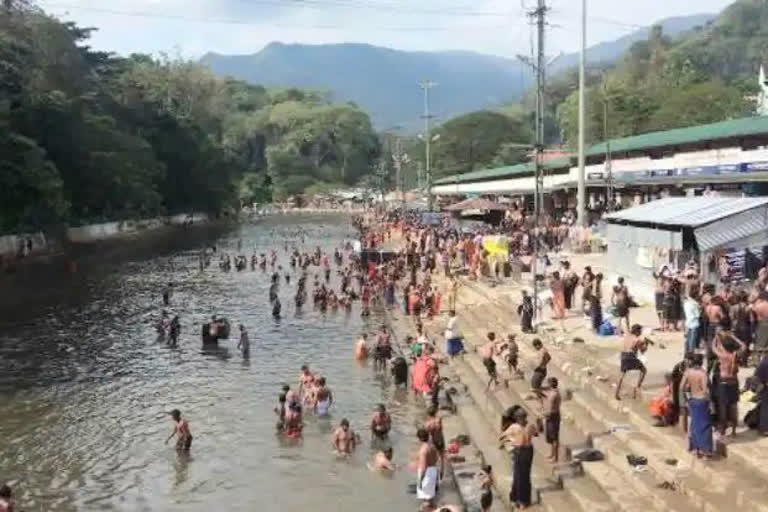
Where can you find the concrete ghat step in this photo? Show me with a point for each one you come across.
(454, 425)
(604, 485)
(735, 479)
(584, 491)
(464, 473)
(708, 484)
(578, 424)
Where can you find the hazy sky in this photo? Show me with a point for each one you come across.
(499, 27)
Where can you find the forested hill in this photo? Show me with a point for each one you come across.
(662, 83)
(86, 136)
(382, 80)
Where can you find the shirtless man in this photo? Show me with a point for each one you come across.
(552, 401)
(519, 435)
(344, 440)
(6, 504)
(381, 423)
(434, 425)
(540, 370)
(760, 310)
(487, 352)
(361, 348)
(306, 380)
(728, 349)
(696, 384)
(620, 300)
(715, 314)
(181, 431)
(293, 420)
(244, 345)
(427, 475)
(382, 461)
(633, 343)
(280, 410)
(323, 398)
(383, 349)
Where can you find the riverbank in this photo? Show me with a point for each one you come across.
(587, 368)
(15, 248)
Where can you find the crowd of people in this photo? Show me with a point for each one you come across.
(723, 326)
(333, 281)
(403, 254)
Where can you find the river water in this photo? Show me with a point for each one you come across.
(85, 387)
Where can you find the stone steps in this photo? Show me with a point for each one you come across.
(607, 486)
(580, 490)
(709, 485)
(464, 472)
(580, 493)
(484, 437)
(466, 421)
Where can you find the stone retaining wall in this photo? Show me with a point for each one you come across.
(11, 245)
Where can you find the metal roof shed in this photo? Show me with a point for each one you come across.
(675, 222)
(676, 230)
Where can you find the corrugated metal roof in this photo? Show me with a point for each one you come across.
(687, 211)
(705, 132)
(736, 227)
(504, 172)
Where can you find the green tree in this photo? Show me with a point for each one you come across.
(700, 103)
(477, 140)
(88, 136)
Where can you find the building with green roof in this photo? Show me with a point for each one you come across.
(731, 155)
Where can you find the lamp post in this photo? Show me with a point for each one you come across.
(428, 168)
(398, 160)
(581, 194)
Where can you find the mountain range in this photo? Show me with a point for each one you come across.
(385, 82)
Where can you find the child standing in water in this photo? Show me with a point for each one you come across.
(181, 431)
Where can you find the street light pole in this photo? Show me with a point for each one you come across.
(426, 85)
(608, 164)
(540, 14)
(582, 188)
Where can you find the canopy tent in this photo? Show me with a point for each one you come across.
(477, 204)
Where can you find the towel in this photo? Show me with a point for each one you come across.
(428, 488)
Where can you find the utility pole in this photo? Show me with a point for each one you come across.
(426, 85)
(581, 196)
(419, 173)
(608, 163)
(541, 68)
(399, 159)
(540, 15)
